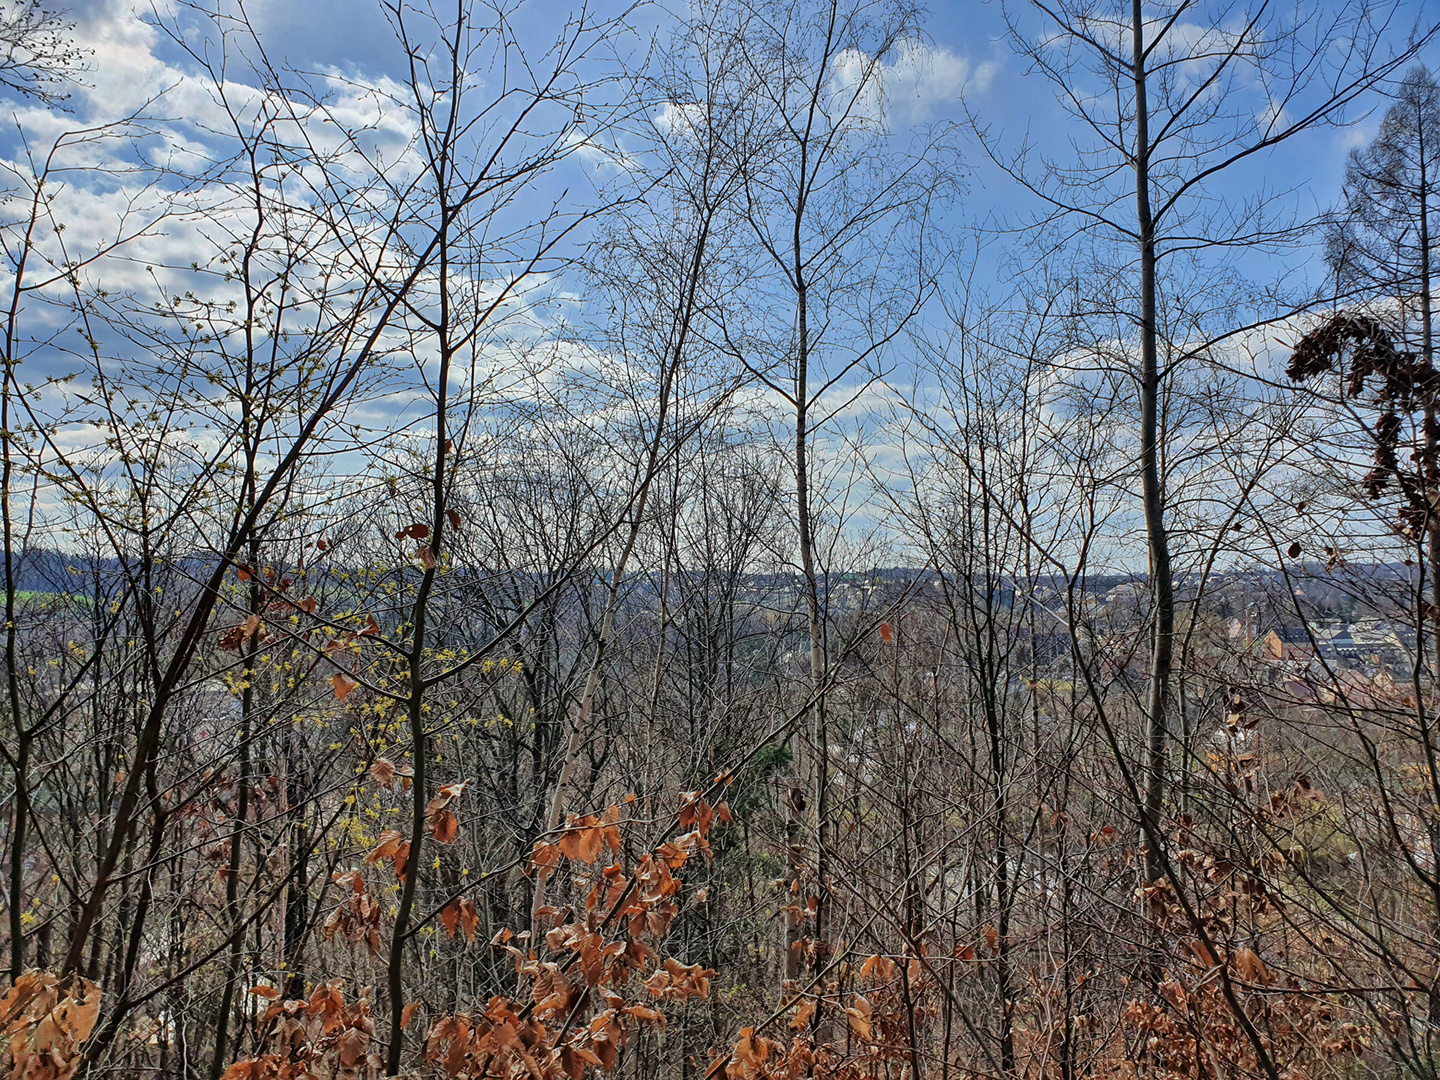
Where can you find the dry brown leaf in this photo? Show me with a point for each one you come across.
(343, 686)
(1251, 967)
(351, 1047)
(469, 919)
(383, 772)
(450, 917)
(445, 827)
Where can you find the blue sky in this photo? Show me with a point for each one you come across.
(965, 54)
(968, 55)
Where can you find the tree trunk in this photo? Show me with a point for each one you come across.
(1161, 585)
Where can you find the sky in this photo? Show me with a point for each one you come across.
(963, 68)
(960, 70)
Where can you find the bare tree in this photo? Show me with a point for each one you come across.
(1191, 92)
(1381, 242)
(839, 214)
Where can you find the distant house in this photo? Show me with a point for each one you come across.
(1287, 644)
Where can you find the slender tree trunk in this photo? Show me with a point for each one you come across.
(1432, 466)
(415, 703)
(820, 741)
(1003, 889)
(18, 828)
(1161, 585)
(1432, 422)
(218, 1060)
(297, 889)
(819, 735)
(20, 820)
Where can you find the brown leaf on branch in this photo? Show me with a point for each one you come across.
(611, 821)
(450, 917)
(343, 685)
(383, 772)
(584, 840)
(237, 637)
(393, 846)
(645, 1014)
(545, 856)
(350, 1047)
(1251, 968)
(859, 1015)
(751, 1052)
(445, 826)
(803, 1012)
(469, 919)
(446, 795)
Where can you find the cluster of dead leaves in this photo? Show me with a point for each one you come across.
(677, 982)
(584, 840)
(348, 641)
(384, 773)
(244, 634)
(460, 914)
(598, 976)
(420, 531)
(857, 1023)
(322, 1038)
(598, 957)
(444, 824)
(356, 918)
(637, 908)
(1191, 1030)
(755, 1057)
(393, 846)
(46, 1022)
(1403, 382)
(251, 631)
(507, 1043)
(697, 813)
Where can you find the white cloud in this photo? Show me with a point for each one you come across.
(918, 81)
(680, 118)
(123, 71)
